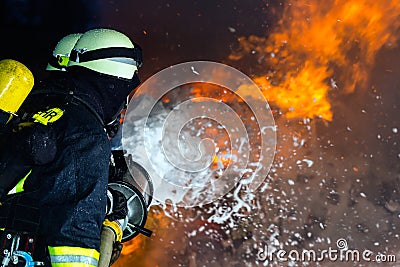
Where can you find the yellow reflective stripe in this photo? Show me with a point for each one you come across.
(51, 115)
(73, 256)
(20, 186)
(74, 251)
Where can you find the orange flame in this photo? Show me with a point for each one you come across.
(221, 161)
(145, 251)
(319, 45)
(132, 245)
(201, 89)
(155, 219)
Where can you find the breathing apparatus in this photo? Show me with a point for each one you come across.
(16, 82)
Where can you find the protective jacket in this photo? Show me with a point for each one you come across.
(64, 196)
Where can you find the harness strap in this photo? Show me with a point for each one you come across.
(71, 98)
(18, 213)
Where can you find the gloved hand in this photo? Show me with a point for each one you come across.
(117, 248)
(117, 206)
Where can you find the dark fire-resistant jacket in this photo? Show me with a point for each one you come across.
(64, 195)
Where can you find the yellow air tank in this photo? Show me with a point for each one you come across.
(16, 81)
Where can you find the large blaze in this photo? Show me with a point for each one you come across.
(317, 49)
(319, 46)
(139, 247)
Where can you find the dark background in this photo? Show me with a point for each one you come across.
(168, 32)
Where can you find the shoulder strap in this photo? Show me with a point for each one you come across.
(70, 97)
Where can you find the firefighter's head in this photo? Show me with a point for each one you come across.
(108, 58)
(108, 52)
(59, 58)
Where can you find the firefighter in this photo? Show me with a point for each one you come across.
(63, 205)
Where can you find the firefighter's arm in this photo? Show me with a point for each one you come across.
(111, 236)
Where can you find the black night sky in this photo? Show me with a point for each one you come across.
(168, 32)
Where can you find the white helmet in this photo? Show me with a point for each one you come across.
(107, 51)
(61, 53)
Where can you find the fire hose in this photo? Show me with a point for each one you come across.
(127, 228)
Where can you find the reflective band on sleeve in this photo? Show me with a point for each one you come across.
(20, 186)
(76, 261)
(73, 256)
